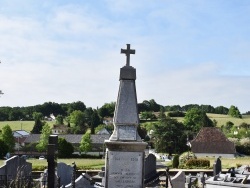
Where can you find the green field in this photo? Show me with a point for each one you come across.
(221, 120)
(81, 164)
(24, 125)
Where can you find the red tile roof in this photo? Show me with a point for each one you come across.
(212, 140)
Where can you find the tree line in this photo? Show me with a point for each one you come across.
(107, 110)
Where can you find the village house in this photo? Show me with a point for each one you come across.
(60, 129)
(97, 140)
(211, 142)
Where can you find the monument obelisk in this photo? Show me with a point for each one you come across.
(124, 165)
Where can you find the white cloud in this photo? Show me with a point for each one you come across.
(70, 52)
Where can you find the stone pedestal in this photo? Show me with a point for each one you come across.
(125, 164)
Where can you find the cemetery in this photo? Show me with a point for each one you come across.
(127, 165)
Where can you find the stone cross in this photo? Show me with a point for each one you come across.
(127, 51)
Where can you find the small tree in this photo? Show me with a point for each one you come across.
(8, 138)
(85, 144)
(59, 120)
(3, 148)
(44, 138)
(65, 149)
(234, 112)
(38, 123)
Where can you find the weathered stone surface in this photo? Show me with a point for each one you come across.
(124, 169)
(64, 171)
(126, 112)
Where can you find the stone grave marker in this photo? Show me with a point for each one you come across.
(217, 167)
(124, 165)
(14, 168)
(64, 171)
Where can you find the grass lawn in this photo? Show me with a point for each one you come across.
(96, 164)
(82, 164)
(24, 125)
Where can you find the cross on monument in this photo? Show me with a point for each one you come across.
(127, 51)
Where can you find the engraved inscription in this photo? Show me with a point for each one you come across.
(127, 132)
(125, 169)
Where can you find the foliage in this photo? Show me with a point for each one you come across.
(195, 119)
(77, 117)
(65, 149)
(85, 144)
(147, 106)
(4, 148)
(38, 123)
(107, 110)
(184, 157)
(176, 161)
(198, 163)
(59, 120)
(234, 112)
(44, 138)
(109, 128)
(94, 121)
(176, 114)
(8, 138)
(147, 115)
(169, 135)
(243, 146)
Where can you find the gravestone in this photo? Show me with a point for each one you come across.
(124, 165)
(64, 171)
(217, 167)
(51, 154)
(179, 180)
(150, 166)
(15, 167)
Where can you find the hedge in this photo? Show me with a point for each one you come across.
(198, 163)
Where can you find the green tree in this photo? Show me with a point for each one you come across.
(162, 115)
(195, 119)
(38, 123)
(77, 118)
(169, 136)
(3, 148)
(148, 115)
(59, 120)
(234, 112)
(44, 138)
(8, 138)
(107, 110)
(65, 149)
(85, 144)
(95, 121)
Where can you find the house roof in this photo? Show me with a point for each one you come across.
(72, 138)
(99, 138)
(212, 140)
(56, 126)
(32, 138)
(20, 133)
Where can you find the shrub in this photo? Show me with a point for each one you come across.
(185, 157)
(176, 161)
(198, 163)
(176, 114)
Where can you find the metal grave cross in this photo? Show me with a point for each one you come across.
(127, 51)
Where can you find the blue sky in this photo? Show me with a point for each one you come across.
(187, 52)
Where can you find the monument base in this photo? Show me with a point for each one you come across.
(124, 165)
